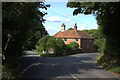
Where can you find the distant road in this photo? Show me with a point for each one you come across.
(69, 67)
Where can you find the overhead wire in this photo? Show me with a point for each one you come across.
(71, 18)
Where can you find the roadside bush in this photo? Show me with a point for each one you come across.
(68, 47)
(60, 46)
(42, 44)
(74, 45)
(48, 42)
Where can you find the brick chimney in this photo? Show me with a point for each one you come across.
(63, 27)
(75, 27)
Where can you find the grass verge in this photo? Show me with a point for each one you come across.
(109, 63)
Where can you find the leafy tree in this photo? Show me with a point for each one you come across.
(20, 20)
(33, 40)
(107, 15)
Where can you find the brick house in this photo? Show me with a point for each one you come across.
(84, 40)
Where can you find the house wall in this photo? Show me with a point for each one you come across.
(87, 45)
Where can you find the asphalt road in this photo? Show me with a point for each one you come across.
(69, 67)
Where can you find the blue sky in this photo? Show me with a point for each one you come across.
(59, 13)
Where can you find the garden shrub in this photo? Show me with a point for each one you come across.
(68, 47)
(47, 42)
(60, 46)
(42, 44)
(74, 45)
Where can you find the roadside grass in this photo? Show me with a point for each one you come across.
(10, 71)
(109, 63)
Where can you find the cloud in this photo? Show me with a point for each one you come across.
(54, 19)
(67, 20)
(82, 27)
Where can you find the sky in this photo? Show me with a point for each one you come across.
(59, 13)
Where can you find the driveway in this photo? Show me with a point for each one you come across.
(72, 67)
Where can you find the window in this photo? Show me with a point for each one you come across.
(76, 39)
(65, 39)
(87, 46)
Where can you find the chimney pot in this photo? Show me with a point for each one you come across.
(75, 27)
(63, 27)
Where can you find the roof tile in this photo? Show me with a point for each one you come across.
(72, 34)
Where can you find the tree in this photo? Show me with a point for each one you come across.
(33, 40)
(107, 15)
(20, 20)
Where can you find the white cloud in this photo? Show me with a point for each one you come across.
(54, 19)
(67, 20)
(82, 27)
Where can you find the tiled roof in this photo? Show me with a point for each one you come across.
(72, 34)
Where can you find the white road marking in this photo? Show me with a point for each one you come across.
(74, 76)
(34, 64)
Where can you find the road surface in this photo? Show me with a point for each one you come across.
(72, 67)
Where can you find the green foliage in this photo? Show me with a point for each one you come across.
(51, 43)
(107, 15)
(21, 20)
(71, 29)
(47, 42)
(74, 45)
(48, 55)
(31, 42)
(68, 47)
(42, 43)
(110, 63)
(60, 46)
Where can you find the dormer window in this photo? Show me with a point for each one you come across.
(65, 39)
(76, 39)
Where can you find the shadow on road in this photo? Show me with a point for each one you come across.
(58, 67)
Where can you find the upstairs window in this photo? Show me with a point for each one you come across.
(76, 39)
(65, 39)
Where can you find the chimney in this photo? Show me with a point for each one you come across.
(75, 27)
(63, 27)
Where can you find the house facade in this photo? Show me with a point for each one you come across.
(85, 41)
